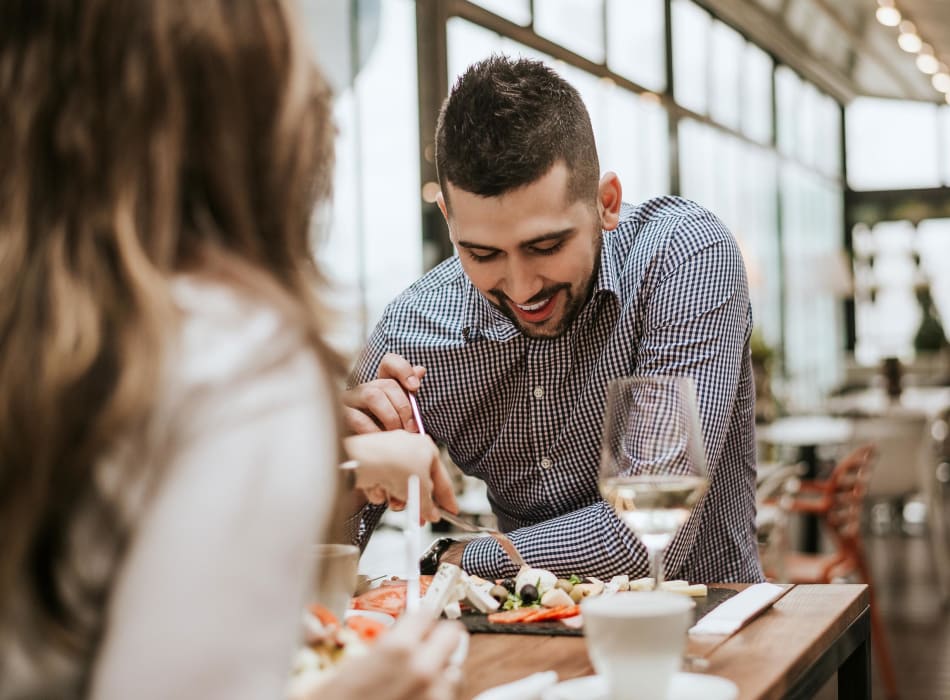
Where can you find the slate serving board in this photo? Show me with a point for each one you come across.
(477, 622)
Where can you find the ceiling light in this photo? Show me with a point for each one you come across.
(908, 40)
(926, 61)
(941, 81)
(887, 14)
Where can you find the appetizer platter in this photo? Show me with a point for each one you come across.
(536, 601)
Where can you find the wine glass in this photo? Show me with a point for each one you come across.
(652, 463)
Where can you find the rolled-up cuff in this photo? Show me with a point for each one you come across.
(359, 526)
(484, 557)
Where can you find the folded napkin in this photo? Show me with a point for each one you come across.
(730, 616)
(529, 688)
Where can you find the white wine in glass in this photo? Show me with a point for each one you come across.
(653, 462)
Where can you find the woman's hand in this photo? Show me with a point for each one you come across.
(386, 460)
(412, 661)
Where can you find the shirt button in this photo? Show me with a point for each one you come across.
(546, 463)
(539, 392)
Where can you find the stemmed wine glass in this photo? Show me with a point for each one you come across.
(653, 462)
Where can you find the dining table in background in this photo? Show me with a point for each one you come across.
(789, 651)
(807, 434)
(929, 401)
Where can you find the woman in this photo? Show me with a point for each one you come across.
(168, 442)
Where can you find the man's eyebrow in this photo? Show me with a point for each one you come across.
(554, 235)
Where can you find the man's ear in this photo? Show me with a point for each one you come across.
(440, 200)
(609, 197)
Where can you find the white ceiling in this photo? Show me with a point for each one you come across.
(840, 45)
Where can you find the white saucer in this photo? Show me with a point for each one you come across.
(371, 614)
(686, 686)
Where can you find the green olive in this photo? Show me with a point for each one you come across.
(577, 594)
(564, 585)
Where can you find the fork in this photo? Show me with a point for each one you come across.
(501, 538)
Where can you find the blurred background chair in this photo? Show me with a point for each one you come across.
(900, 470)
(774, 481)
(838, 502)
(937, 494)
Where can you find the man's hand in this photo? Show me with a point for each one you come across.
(453, 555)
(382, 404)
(387, 460)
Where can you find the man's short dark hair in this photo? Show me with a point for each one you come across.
(504, 125)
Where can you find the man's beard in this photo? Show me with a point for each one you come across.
(573, 304)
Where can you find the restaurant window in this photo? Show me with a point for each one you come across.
(945, 143)
(756, 113)
(893, 262)
(788, 87)
(886, 309)
(517, 11)
(372, 249)
(737, 181)
(816, 280)
(635, 41)
(691, 29)
(829, 134)
(807, 125)
(574, 24)
(725, 55)
(632, 135)
(933, 246)
(891, 144)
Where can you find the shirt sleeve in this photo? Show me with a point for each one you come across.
(207, 602)
(696, 323)
(376, 346)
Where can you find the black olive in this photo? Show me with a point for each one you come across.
(529, 594)
(509, 583)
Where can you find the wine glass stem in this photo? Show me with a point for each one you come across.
(656, 566)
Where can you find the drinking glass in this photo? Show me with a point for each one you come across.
(653, 463)
(335, 575)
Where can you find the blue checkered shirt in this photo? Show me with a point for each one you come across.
(525, 415)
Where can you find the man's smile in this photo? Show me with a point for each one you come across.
(538, 312)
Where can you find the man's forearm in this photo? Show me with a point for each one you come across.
(591, 541)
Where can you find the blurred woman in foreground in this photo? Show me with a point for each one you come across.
(168, 437)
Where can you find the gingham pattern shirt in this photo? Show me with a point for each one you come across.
(525, 415)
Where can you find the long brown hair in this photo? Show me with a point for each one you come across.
(137, 140)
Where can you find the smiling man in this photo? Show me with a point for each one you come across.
(557, 288)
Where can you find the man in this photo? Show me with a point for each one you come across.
(557, 288)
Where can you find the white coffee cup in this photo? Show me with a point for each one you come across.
(335, 573)
(636, 641)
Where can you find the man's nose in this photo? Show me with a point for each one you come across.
(522, 282)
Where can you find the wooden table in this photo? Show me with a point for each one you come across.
(790, 651)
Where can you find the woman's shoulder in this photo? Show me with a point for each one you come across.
(225, 332)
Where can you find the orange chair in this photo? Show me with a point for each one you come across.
(838, 501)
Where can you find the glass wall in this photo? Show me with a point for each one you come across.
(369, 238)
(893, 145)
(744, 173)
